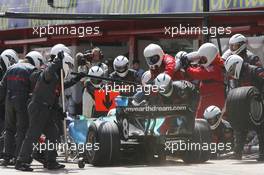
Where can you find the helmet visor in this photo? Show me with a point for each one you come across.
(40, 61)
(121, 69)
(153, 60)
(202, 60)
(31, 61)
(214, 120)
(11, 59)
(234, 47)
(2, 64)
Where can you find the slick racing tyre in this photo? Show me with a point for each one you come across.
(106, 144)
(201, 139)
(244, 105)
(153, 151)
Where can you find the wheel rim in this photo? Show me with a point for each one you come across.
(91, 140)
(256, 109)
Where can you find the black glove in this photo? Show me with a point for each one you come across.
(60, 114)
(60, 55)
(58, 59)
(79, 76)
(185, 63)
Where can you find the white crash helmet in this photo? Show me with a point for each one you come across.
(35, 58)
(212, 115)
(237, 43)
(180, 54)
(57, 48)
(164, 83)
(233, 65)
(154, 55)
(145, 77)
(207, 51)
(67, 64)
(96, 71)
(120, 65)
(9, 57)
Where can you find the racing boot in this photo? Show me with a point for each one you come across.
(261, 152)
(260, 130)
(22, 166)
(239, 142)
(40, 157)
(1, 155)
(260, 158)
(8, 161)
(54, 166)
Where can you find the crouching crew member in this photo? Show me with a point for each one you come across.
(239, 70)
(222, 132)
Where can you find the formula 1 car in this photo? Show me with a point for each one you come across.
(151, 132)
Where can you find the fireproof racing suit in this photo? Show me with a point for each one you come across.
(212, 90)
(2, 117)
(2, 106)
(2, 111)
(168, 67)
(249, 58)
(223, 134)
(16, 86)
(255, 76)
(44, 111)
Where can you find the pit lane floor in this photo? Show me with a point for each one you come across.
(170, 167)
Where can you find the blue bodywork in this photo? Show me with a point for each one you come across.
(78, 128)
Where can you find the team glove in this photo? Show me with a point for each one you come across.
(60, 114)
(60, 55)
(79, 76)
(185, 63)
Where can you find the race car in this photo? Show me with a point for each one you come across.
(145, 131)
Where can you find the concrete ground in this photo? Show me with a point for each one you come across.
(212, 167)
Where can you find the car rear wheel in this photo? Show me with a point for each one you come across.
(106, 136)
(201, 136)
